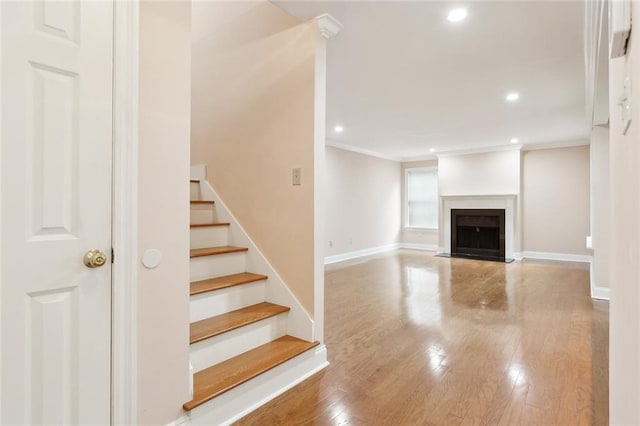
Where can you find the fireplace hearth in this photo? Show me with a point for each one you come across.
(478, 234)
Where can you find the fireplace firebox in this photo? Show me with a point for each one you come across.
(478, 233)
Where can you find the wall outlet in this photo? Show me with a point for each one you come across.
(330, 243)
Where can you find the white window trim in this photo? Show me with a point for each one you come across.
(405, 201)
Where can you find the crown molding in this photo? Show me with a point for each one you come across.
(555, 145)
(358, 150)
(328, 25)
(480, 150)
(454, 153)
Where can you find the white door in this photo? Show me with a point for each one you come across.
(56, 139)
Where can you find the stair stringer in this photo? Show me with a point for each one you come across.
(300, 323)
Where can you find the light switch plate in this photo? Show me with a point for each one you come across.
(296, 176)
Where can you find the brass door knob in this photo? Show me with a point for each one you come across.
(94, 258)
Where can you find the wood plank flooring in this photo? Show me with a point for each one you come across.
(415, 339)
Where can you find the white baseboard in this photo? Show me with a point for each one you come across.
(182, 421)
(564, 257)
(376, 250)
(419, 246)
(598, 292)
(359, 253)
(601, 293)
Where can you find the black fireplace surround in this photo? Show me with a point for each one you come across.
(478, 234)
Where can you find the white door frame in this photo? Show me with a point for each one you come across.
(125, 214)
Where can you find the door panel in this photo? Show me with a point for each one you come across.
(56, 205)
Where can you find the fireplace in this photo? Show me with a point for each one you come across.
(478, 233)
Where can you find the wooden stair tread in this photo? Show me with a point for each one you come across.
(202, 201)
(217, 379)
(212, 251)
(194, 180)
(214, 326)
(204, 225)
(226, 281)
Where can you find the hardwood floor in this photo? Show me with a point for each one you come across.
(415, 339)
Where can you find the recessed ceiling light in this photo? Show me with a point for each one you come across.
(338, 129)
(514, 140)
(513, 96)
(432, 150)
(457, 15)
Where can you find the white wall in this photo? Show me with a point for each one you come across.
(362, 201)
(163, 207)
(492, 173)
(555, 196)
(624, 316)
(600, 206)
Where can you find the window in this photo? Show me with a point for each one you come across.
(421, 198)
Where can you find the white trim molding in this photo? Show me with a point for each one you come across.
(562, 257)
(125, 214)
(478, 150)
(1, 275)
(360, 253)
(183, 420)
(357, 254)
(358, 150)
(328, 25)
(600, 293)
(319, 166)
(597, 292)
(418, 246)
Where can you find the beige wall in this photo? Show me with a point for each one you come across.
(555, 194)
(253, 121)
(362, 201)
(600, 205)
(624, 322)
(492, 173)
(163, 202)
(421, 237)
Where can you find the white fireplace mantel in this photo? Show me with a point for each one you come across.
(508, 202)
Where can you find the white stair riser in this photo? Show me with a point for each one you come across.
(194, 190)
(217, 266)
(222, 301)
(227, 345)
(239, 401)
(203, 213)
(209, 236)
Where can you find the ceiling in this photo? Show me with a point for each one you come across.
(402, 80)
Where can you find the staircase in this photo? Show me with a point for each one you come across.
(240, 347)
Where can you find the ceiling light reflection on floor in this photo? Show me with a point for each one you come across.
(422, 296)
(513, 96)
(457, 15)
